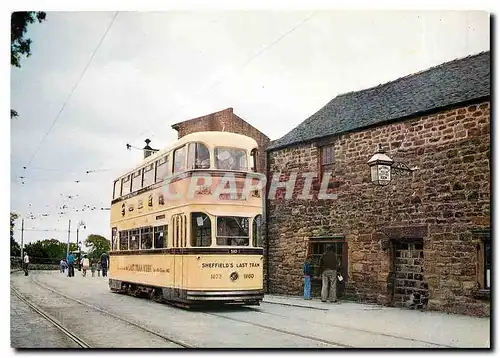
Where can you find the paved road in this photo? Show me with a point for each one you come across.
(280, 322)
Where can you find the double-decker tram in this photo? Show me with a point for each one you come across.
(186, 223)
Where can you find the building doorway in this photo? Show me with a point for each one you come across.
(409, 287)
(317, 247)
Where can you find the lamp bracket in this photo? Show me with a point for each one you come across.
(400, 168)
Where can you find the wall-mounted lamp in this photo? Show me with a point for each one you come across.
(382, 166)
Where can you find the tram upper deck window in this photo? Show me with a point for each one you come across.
(232, 231)
(160, 236)
(201, 230)
(126, 185)
(123, 240)
(230, 158)
(179, 160)
(256, 231)
(116, 189)
(162, 169)
(253, 159)
(198, 156)
(137, 180)
(148, 176)
(134, 240)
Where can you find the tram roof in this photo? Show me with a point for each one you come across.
(212, 139)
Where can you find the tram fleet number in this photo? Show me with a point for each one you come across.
(218, 276)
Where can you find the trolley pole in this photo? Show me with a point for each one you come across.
(69, 232)
(22, 237)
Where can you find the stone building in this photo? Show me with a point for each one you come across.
(225, 121)
(423, 241)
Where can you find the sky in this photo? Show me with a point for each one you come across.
(154, 69)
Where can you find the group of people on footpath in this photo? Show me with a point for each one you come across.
(101, 264)
(330, 275)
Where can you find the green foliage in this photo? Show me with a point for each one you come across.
(97, 245)
(48, 248)
(19, 44)
(15, 249)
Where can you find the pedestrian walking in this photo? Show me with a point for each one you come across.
(62, 266)
(26, 262)
(71, 265)
(307, 278)
(92, 267)
(104, 264)
(98, 268)
(329, 266)
(85, 265)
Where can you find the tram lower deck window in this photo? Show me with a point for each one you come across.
(134, 240)
(123, 240)
(160, 237)
(146, 238)
(232, 231)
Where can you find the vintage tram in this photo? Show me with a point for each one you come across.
(186, 223)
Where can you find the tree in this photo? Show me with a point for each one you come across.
(15, 249)
(20, 45)
(98, 245)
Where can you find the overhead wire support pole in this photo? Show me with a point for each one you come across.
(69, 233)
(22, 237)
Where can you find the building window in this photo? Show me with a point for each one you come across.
(160, 236)
(146, 238)
(257, 231)
(483, 267)
(487, 264)
(232, 231)
(317, 247)
(201, 230)
(198, 156)
(179, 160)
(327, 159)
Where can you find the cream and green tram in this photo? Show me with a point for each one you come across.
(186, 223)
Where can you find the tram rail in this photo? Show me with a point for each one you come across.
(80, 342)
(108, 313)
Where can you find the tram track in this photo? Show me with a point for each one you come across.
(332, 343)
(108, 313)
(350, 328)
(80, 342)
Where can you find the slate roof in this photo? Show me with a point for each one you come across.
(450, 83)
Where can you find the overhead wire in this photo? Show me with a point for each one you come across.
(246, 63)
(72, 91)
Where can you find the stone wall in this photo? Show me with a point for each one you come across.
(225, 121)
(449, 195)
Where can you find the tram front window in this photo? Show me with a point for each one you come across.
(232, 231)
(230, 158)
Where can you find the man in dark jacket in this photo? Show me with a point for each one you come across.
(104, 264)
(329, 265)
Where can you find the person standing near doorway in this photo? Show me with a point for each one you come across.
(71, 265)
(307, 278)
(329, 265)
(26, 262)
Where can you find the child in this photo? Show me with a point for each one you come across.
(98, 268)
(85, 265)
(92, 268)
